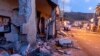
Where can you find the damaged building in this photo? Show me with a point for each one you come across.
(22, 22)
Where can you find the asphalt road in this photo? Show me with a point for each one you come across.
(89, 41)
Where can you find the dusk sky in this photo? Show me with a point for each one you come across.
(87, 6)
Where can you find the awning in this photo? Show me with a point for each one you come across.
(45, 7)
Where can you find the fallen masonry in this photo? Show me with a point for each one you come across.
(60, 46)
(65, 42)
(51, 48)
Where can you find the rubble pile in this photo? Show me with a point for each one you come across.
(51, 48)
(65, 42)
(3, 52)
(15, 55)
(60, 46)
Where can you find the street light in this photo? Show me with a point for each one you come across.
(63, 1)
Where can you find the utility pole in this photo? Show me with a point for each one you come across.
(63, 10)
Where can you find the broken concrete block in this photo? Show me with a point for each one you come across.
(45, 52)
(61, 51)
(15, 55)
(69, 52)
(65, 42)
(4, 53)
(55, 54)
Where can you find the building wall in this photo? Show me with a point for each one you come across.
(99, 25)
(31, 23)
(99, 22)
(28, 28)
(52, 25)
(6, 10)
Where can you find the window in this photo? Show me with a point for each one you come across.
(5, 24)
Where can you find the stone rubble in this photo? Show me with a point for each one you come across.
(61, 46)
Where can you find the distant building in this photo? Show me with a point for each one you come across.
(79, 23)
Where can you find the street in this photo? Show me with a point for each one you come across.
(88, 41)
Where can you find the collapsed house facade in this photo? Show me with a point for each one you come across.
(25, 20)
